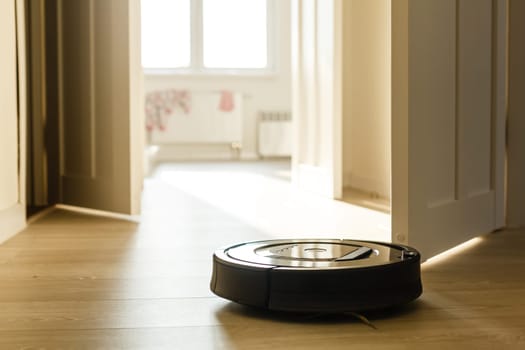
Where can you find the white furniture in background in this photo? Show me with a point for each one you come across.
(203, 122)
(274, 134)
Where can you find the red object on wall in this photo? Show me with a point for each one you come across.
(226, 103)
(160, 104)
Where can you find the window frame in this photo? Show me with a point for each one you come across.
(196, 66)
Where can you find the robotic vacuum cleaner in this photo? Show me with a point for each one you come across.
(317, 275)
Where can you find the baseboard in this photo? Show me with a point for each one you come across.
(40, 214)
(183, 152)
(12, 221)
(372, 186)
(96, 212)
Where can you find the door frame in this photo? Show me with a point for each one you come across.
(515, 198)
(13, 219)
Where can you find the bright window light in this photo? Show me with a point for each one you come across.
(166, 33)
(234, 34)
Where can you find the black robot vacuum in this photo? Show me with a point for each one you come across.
(317, 275)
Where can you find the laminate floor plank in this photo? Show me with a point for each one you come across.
(78, 281)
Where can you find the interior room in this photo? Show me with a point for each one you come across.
(128, 161)
(221, 117)
(227, 117)
(199, 108)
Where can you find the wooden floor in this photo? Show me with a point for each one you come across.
(75, 281)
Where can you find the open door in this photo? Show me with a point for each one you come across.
(448, 115)
(12, 118)
(100, 117)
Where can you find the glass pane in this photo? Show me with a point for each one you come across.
(165, 33)
(234, 34)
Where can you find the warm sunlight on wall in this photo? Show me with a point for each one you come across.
(366, 87)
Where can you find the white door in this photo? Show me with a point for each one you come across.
(317, 101)
(12, 117)
(100, 104)
(448, 106)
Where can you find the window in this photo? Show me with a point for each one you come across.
(166, 33)
(205, 35)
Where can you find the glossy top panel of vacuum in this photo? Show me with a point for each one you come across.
(306, 253)
(321, 275)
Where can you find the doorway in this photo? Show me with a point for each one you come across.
(213, 110)
(265, 96)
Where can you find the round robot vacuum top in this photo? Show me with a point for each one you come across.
(317, 275)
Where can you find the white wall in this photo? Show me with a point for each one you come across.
(366, 91)
(8, 108)
(267, 92)
(12, 119)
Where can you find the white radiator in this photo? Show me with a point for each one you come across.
(275, 134)
(185, 117)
